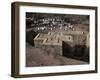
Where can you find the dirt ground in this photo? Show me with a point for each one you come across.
(38, 57)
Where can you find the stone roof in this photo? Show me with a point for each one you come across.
(54, 38)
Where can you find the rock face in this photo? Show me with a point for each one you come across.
(54, 42)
